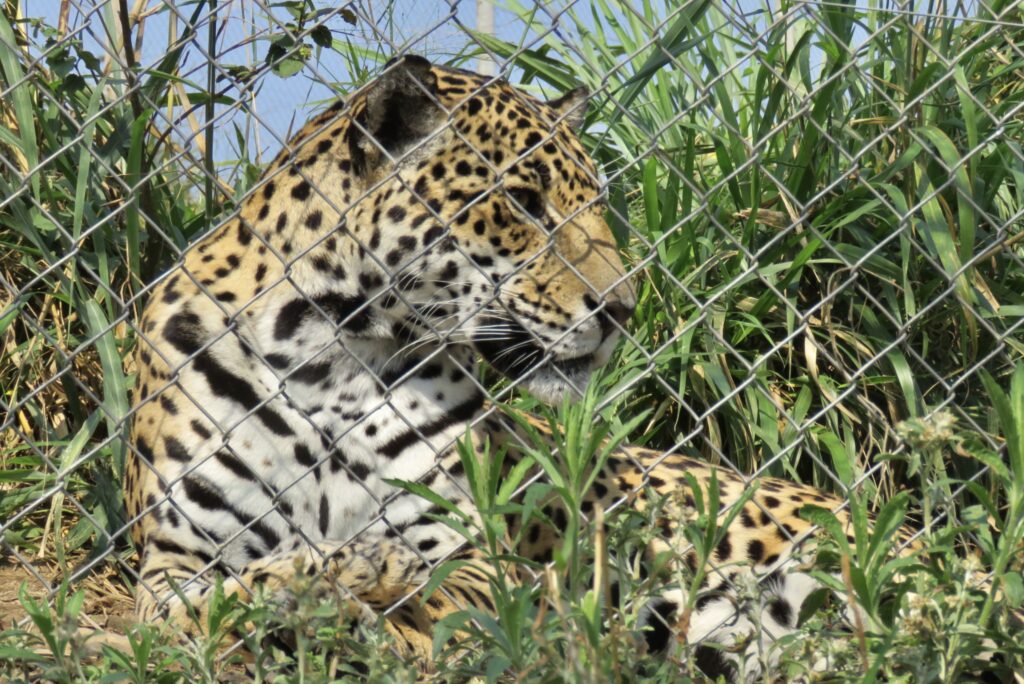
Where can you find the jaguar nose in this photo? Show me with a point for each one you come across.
(615, 311)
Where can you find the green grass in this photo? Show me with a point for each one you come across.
(824, 218)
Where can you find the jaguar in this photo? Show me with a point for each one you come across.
(326, 340)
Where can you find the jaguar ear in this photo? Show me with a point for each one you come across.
(572, 107)
(401, 110)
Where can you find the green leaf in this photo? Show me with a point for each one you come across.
(425, 492)
(967, 223)
(1010, 424)
(840, 456)
(115, 384)
(321, 35)
(552, 70)
(288, 67)
(85, 158)
(13, 654)
(651, 195)
(826, 520)
(438, 576)
(1013, 588)
(814, 602)
(889, 520)
(133, 218)
(19, 94)
(666, 45)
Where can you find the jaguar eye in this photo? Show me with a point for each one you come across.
(528, 200)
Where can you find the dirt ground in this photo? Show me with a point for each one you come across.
(108, 602)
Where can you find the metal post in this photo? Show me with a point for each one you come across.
(485, 24)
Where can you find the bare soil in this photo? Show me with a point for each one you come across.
(108, 601)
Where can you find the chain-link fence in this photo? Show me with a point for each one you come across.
(818, 204)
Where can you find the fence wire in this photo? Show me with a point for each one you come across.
(819, 205)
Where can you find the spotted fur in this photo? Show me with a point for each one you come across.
(325, 340)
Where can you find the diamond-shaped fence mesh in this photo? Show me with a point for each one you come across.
(818, 208)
